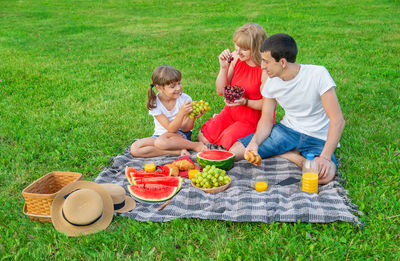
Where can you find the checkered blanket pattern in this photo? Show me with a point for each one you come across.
(240, 202)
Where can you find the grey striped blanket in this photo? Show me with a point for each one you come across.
(240, 202)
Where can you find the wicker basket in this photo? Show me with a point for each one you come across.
(213, 190)
(40, 194)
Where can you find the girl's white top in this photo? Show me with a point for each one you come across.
(160, 109)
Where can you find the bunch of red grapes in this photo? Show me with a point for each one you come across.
(232, 93)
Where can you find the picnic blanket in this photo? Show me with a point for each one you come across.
(240, 202)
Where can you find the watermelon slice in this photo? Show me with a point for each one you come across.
(162, 171)
(220, 158)
(168, 181)
(153, 192)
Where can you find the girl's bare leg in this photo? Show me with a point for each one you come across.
(175, 141)
(184, 152)
(144, 148)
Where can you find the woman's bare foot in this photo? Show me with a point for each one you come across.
(200, 146)
(184, 152)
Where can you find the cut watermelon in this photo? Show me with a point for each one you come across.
(168, 181)
(161, 171)
(220, 158)
(153, 192)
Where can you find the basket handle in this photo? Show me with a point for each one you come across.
(25, 211)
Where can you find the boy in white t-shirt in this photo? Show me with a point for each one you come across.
(313, 121)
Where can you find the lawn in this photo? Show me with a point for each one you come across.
(73, 84)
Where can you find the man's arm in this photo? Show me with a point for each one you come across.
(264, 125)
(336, 126)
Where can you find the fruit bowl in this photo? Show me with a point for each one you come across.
(213, 190)
(233, 93)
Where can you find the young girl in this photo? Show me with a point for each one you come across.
(240, 118)
(170, 109)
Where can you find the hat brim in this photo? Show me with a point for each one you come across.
(129, 205)
(63, 226)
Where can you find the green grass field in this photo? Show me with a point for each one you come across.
(73, 82)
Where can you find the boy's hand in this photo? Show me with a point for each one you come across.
(324, 166)
(186, 108)
(252, 147)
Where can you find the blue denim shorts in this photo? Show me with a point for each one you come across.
(283, 139)
(187, 135)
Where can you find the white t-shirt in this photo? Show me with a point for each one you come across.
(160, 109)
(301, 99)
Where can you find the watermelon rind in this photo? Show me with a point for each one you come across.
(225, 164)
(127, 175)
(173, 193)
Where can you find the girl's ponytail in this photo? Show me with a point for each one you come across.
(151, 98)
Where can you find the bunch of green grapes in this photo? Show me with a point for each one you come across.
(211, 177)
(199, 106)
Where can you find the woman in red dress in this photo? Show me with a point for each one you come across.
(240, 68)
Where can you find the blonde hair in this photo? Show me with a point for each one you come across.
(162, 75)
(250, 36)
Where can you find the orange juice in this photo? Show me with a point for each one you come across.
(310, 182)
(261, 186)
(150, 167)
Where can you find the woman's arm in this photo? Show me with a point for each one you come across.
(223, 69)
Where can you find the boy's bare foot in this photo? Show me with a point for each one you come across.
(199, 147)
(184, 152)
(294, 156)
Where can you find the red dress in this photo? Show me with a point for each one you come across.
(233, 123)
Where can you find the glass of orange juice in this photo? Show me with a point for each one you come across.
(260, 183)
(149, 166)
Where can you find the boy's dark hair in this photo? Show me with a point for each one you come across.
(280, 46)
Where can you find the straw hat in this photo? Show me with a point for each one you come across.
(122, 202)
(82, 208)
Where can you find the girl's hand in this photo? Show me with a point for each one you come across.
(186, 108)
(200, 114)
(224, 58)
(238, 102)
